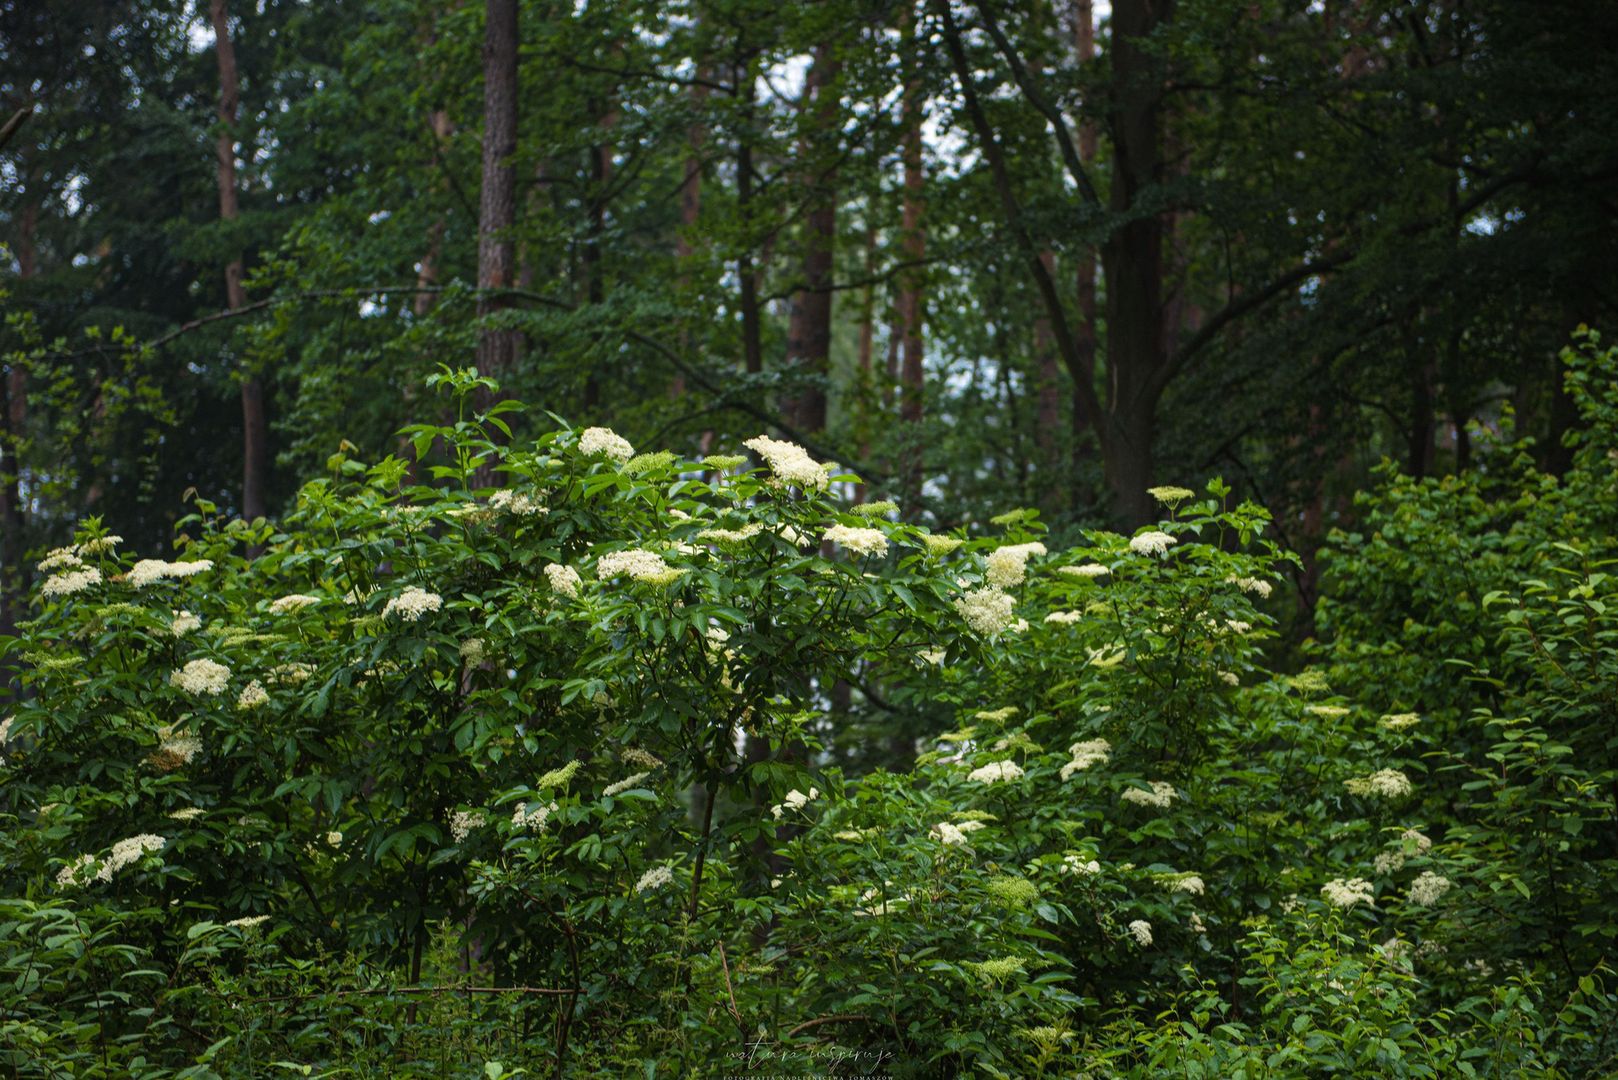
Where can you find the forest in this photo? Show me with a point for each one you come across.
(861, 538)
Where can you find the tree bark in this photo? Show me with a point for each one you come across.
(497, 204)
(913, 247)
(696, 136)
(1132, 259)
(809, 326)
(746, 274)
(427, 276)
(13, 569)
(255, 427)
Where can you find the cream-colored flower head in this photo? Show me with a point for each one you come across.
(1152, 543)
(790, 463)
(412, 604)
(201, 677)
(600, 440)
(859, 541)
(987, 611)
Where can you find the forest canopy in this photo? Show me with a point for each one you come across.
(919, 538)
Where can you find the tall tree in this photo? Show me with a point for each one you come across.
(255, 426)
(913, 249)
(497, 205)
(809, 327)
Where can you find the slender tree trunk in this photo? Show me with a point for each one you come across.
(913, 248)
(1084, 334)
(1132, 260)
(866, 410)
(690, 213)
(497, 205)
(13, 569)
(595, 285)
(809, 326)
(427, 275)
(746, 274)
(255, 428)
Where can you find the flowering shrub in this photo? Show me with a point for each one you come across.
(571, 774)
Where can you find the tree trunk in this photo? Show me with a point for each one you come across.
(913, 249)
(13, 569)
(595, 284)
(690, 213)
(1132, 260)
(809, 327)
(497, 205)
(427, 276)
(746, 274)
(255, 428)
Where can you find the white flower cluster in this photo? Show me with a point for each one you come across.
(1189, 883)
(174, 751)
(654, 879)
(641, 565)
(1008, 565)
(190, 813)
(532, 815)
(69, 583)
(517, 502)
(1087, 570)
(1257, 586)
(940, 545)
(1141, 931)
(1077, 864)
(74, 872)
(1064, 618)
(334, 838)
(100, 545)
(950, 835)
(412, 604)
(1085, 754)
(987, 611)
(600, 440)
(634, 755)
(790, 463)
(1169, 495)
(1401, 721)
(1160, 796)
(624, 785)
(293, 602)
(730, 536)
(1411, 840)
(1346, 893)
(563, 579)
(248, 922)
(62, 558)
(183, 623)
(252, 696)
(859, 541)
(996, 772)
(795, 800)
(464, 822)
(1384, 783)
(1428, 888)
(201, 677)
(128, 851)
(1152, 543)
(147, 571)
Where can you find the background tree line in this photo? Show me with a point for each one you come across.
(987, 254)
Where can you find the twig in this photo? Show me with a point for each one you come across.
(838, 1019)
(377, 991)
(14, 123)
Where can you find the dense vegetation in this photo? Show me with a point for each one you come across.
(1045, 539)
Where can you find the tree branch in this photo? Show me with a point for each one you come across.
(1053, 115)
(14, 123)
(992, 150)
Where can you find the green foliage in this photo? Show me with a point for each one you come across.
(450, 779)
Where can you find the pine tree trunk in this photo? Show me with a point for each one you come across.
(809, 326)
(1085, 332)
(255, 428)
(497, 205)
(1132, 261)
(746, 273)
(913, 249)
(690, 214)
(13, 569)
